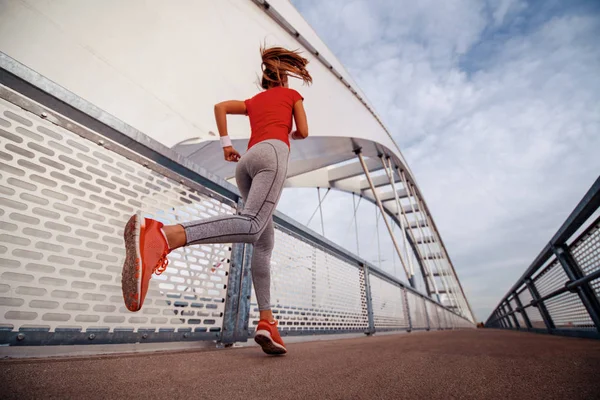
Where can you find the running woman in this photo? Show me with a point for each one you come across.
(260, 174)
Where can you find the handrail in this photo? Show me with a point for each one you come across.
(586, 207)
(558, 254)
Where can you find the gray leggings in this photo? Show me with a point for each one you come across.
(260, 175)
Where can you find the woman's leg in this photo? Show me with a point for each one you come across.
(264, 171)
(261, 271)
(147, 242)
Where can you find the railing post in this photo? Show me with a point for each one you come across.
(540, 305)
(407, 309)
(501, 315)
(241, 329)
(514, 317)
(585, 292)
(522, 310)
(445, 316)
(426, 313)
(237, 303)
(505, 321)
(371, 328)
(510, 325)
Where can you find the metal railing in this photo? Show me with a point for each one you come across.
(70, 175)
(559, 292)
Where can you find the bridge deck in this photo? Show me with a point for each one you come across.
(445, 364)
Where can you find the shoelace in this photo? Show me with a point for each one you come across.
(161, 265)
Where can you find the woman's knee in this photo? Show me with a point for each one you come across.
(253, 237)
(256, 231)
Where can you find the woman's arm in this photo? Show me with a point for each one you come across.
(221, 111)
(301, 131)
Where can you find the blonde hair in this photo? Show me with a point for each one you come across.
(278, 63)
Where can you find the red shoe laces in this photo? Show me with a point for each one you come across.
(161, 265)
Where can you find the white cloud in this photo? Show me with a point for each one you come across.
(499, 120)
(506, 8)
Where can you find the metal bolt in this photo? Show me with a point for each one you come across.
(44, 115)
(145, 336)
(185, 335)
(92, 336)
(20, 336)
(101, 142)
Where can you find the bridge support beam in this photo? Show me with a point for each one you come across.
(387, 223)
(445, 278)
(423, 259)
(390, 174)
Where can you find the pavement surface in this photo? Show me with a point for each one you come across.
(468, 364)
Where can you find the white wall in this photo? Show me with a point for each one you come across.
(161, 65)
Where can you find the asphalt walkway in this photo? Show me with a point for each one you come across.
(469, 364)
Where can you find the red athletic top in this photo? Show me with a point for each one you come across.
(270, 114)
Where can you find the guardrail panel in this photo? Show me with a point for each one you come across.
(65, 201)
(532, 312)
(417, 311)
(566, 310)
(389, 309)
(313, 290)
(586, 253)
(432, 312)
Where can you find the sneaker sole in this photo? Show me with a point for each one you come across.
(269, 346)
(131, 277)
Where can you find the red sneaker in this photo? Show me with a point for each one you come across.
(146, 253)
(267, 336)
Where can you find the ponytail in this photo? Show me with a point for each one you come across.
(278, 63)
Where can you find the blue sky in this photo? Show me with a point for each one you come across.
(496, 107)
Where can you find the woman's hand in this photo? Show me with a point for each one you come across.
(231, 154)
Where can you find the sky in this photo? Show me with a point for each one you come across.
(496, 107)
